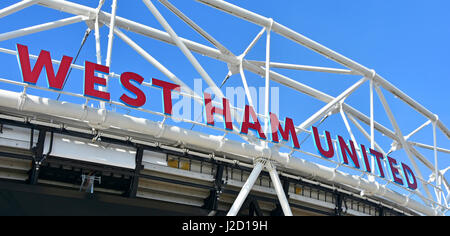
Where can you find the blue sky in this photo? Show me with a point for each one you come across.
(406, 42)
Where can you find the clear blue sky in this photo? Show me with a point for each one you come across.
(406, 42)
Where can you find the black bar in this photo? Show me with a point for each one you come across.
(211, 202)
(38, 155)
(135, 178)
(338, 209)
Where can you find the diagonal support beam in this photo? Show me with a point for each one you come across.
(418, 129)
(156, 64)
(367, 135)
(111, 37)
(327, 108)
(349, 130)
(429, 147)
(279, 189)
(241, 66)
(246, 189)
(401, 138)
(197, 28)
(17, 7)
(183, 48)
(305, 68)
(246, 88)
(213, 41)
(41, 27)
(428, 164)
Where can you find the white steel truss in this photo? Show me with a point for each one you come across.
(260, 154)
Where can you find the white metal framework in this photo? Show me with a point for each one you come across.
(432, 197)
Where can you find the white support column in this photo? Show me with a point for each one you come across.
(41, 27)
(436, 168)
(244, 82)
(267, 82)
(279, 189)
(372, 129)
(17, 7)
(246, 188)
(98, 52)
(372, 118)
(111, 37)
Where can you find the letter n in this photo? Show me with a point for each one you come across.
(351, 152)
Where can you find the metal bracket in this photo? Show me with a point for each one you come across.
(22, 99)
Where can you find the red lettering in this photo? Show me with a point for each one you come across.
(44, 60)
(289, 128)
(330, 152)
(409, 174)
(378, 156)
(167, 93)
(246, 124)
(352, 152)
(125, 80)
(90, 80)
(210, 110)
(394, 170)
(366, 159)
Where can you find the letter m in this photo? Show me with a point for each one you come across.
(44, 60)
(289, 128)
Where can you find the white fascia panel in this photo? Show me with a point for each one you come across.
(86, 150)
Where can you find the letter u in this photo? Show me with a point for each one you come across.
(330, 152)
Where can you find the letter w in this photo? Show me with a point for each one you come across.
(31, 76)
